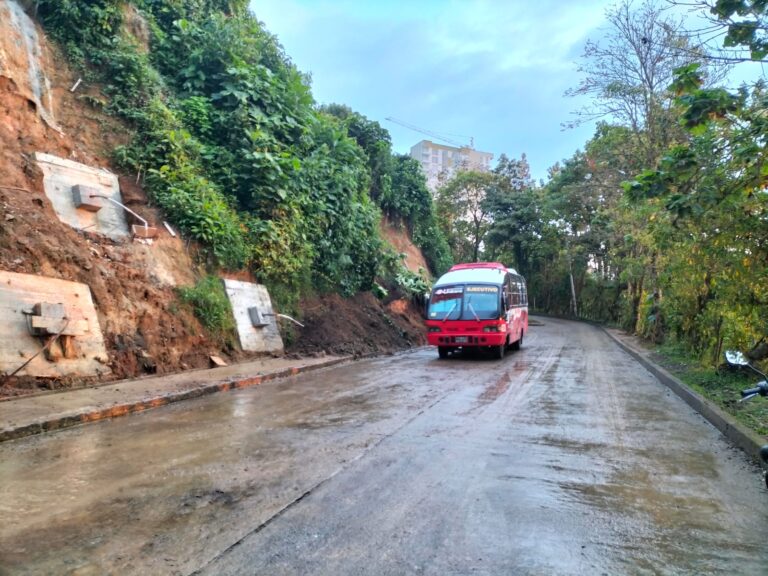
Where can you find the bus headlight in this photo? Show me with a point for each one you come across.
(434, 329)
(496, 328)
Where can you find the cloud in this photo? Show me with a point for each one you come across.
(494, 70)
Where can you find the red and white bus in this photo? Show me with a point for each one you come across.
(482, 304)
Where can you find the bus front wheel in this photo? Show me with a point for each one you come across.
(498, 351)
(442, 351)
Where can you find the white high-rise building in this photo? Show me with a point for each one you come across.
(440, 161)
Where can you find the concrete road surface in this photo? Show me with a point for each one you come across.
(564, 458)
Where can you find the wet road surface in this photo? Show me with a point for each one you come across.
(564, 458)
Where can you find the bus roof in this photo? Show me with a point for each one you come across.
(483, 272)
(481, 275)
(469, 265)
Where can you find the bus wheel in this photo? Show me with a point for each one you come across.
(498, 351)
(442, 351)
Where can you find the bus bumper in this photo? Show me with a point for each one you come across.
(465, 340)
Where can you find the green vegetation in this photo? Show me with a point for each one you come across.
(464, 213)
(234, 150)
(658, 224)
(722, 386)
(210, 304)
(399, 278)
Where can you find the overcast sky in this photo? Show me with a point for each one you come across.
(493, 70)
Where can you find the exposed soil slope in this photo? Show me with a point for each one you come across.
(397, 236)
(145, 328)
(132, 284)
(358, 326)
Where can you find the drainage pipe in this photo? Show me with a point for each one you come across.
(123, 206)
(287, 318)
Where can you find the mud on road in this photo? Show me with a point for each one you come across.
(564, 458)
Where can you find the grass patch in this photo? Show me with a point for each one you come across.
(722, 386)
(211, 306)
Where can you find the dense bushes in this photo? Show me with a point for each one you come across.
(232, 147)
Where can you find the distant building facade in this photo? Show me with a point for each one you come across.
(440, 161)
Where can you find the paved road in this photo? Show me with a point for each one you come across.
(564, 458)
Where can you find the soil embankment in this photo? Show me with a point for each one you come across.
(146, 329)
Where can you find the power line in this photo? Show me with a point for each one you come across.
(433, 134)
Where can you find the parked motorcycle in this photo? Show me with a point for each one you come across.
(737, 359)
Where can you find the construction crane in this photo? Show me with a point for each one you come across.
(434, 135)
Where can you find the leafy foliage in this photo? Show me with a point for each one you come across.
(712, 194)
(234, 151)
(658, 225)
(407, 283)
(79, 24)
(743, 24)
(411, 202)
(210, 304)
(464, 214)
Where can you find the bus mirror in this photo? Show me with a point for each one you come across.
(425, 309)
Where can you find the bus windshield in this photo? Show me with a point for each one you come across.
(464, 303)
(481, 302)
(445, 303)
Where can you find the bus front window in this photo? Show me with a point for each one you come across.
(445, 303)
(481, 303)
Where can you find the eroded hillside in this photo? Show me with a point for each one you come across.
(48, 107)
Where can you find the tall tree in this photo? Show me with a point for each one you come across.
(515, 213)
(464, 213)
(411, 202)
(628, 72)
(514, 174)
(711, 192)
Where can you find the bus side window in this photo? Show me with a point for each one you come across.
(517, 294)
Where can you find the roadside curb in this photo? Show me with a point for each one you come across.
(741, 436)
(160, 398)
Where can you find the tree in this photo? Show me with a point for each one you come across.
(746, 23)
(711, 193)
(628, 73)
(515, 175)
(464, 213)
(410, 200)
(743, 24)
(515, 213)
